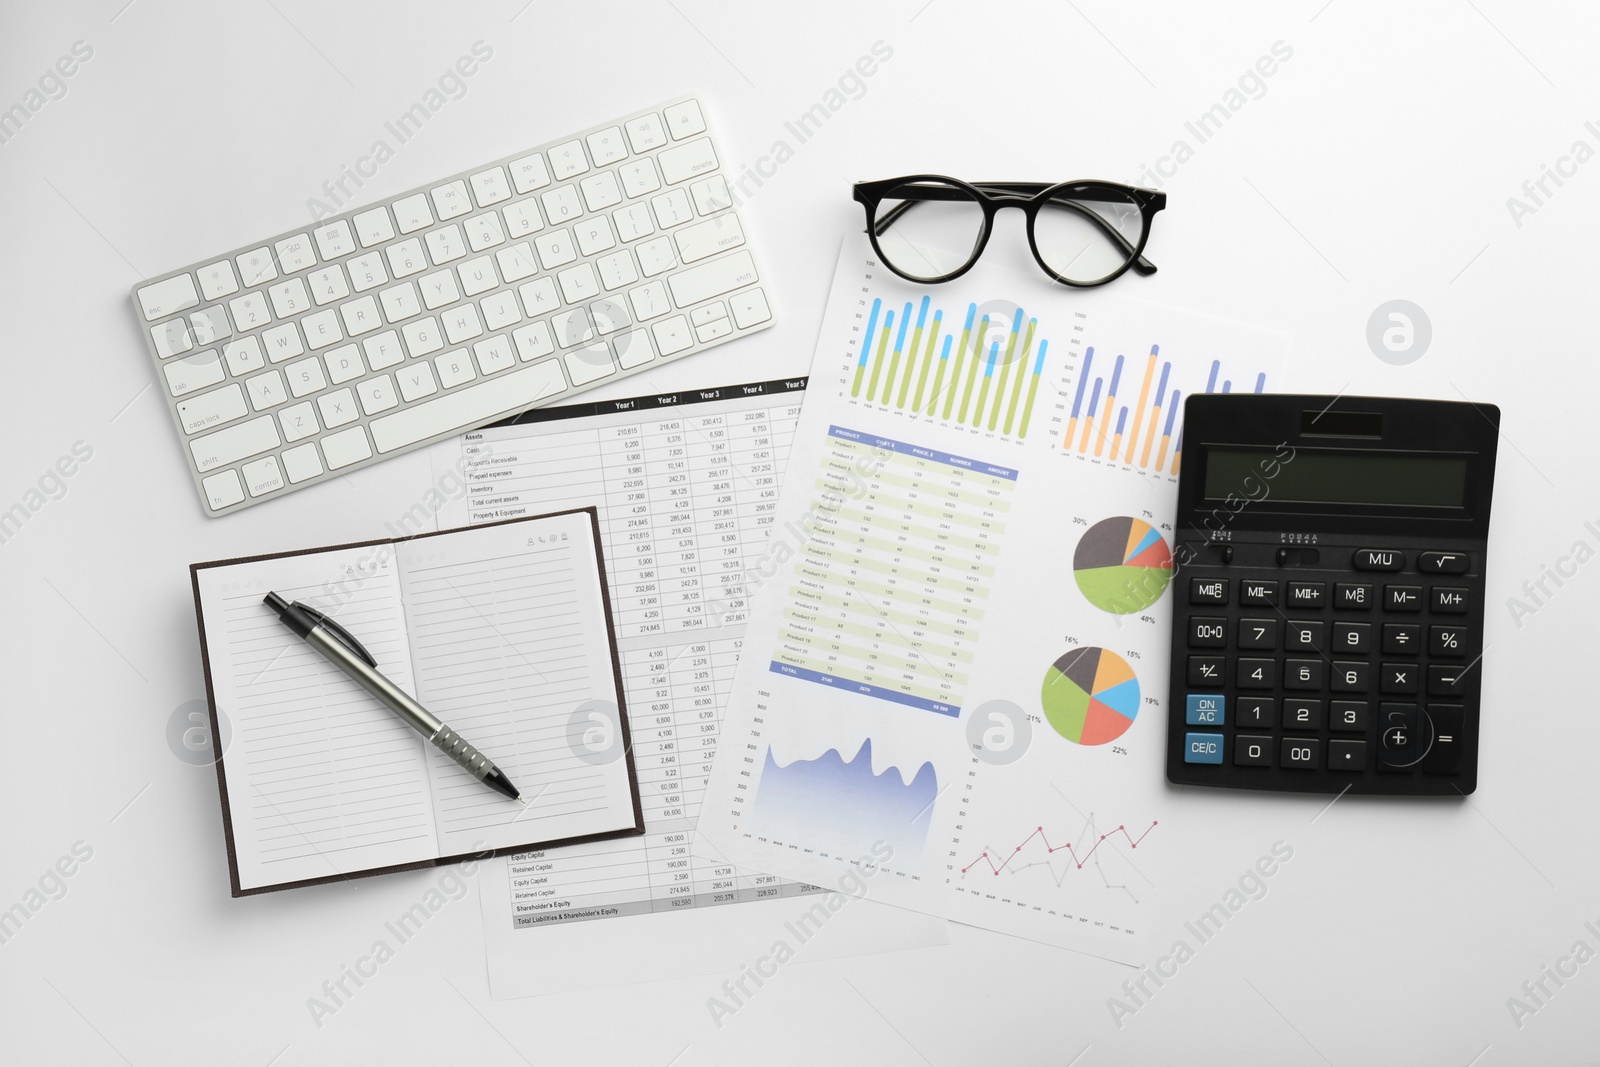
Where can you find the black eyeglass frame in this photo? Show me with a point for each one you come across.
(1031, 197)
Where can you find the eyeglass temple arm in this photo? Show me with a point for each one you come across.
(1141, 265)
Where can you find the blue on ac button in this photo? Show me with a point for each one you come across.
(1202, 748)
(1206, 709)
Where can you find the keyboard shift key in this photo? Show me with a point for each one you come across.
(712, 278)
(237, 442)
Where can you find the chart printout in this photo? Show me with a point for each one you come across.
(954, 677)
(686, 485)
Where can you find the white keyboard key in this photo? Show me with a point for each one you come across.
(500, 310)
(491, 186)
(263, 476)
(713, 330)
(171, 338)
(617, 270)
(567, 160)
(533, 341)
(446, 245)
(346, 447)
(455, 368)
(295, 254)
(338, 408)
(366, 272)
(657, 257)
(451, 200)
(685, 120)
(750, 308)
(516, 262)
(244, 356)
(672, 209)
(306, 377)
(249, 311)
(471, 406)
(633, 348)
(406, 258)
(217, 280)
(302, 462)
(712, 279)
(590, 364)
(233, 444)
(193, 372)
(649, 301)
(322, 329)
(383, 350)
(416, 381)
(373, 227)
(477, 276)
(256, 266)
(168, 297)
(633, 222)
(344, 364)
(223, 489)
(529, 173)
(707, 238)
(377, 394)
(328, 285)
(710, 195)
(538, 297)
(522, 218)
(601, 191)
(282, 342)
(209, 325)
(360, 316)
(439, 289)
(400, 302)
(298, 422)
(594, 235)
(334, 240)
(572, 327)
(411, 213)
(687, 161)
(561, 204)
(609, 316)
(672, 335)
(485, 231)
(708, 313)
(646, 132)
(606, 147)
(422, 337)
(211, 409)
(266, 390)
(639, 177)
(289, 298)
(461, 324)
(555, 249)
(494, 355)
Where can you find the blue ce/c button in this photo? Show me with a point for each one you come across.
(1202, 748)
(1205, 709)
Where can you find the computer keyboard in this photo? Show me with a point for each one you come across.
(512, 285)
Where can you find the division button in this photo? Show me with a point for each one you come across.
(1378, 559)
(1205, 709)
(1202, 748)
(1208, 591)
(1300, 753)
(1444, 562)
(1346, 755)
(1252, 751)
(1401, 639)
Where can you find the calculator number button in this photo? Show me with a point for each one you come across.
(1349, 716)
(1449, 601)
(1345, 755)
(1444, 563)
(1353, 637)
(1447, 641)
(1303, 636)
(1208, 591)
(1302, 674)
(1202, 748)
(1207, 670)
(1352, 597)
(1258, 594)
(1208, 633)
(1250, 750)
(1307, 594)
(1350, 676)
(1402, 597)
(1400, 678)
(1302, 714)
(1258, 633)
(1378, 559)
(1399, 639)
(1300, 753)
(1255, 711)
(1257, 673)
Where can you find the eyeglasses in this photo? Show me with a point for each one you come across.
(1082, 233)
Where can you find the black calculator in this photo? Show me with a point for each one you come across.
(1328, 604)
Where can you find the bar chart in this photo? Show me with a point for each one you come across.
(984, 375)
(1133, 415)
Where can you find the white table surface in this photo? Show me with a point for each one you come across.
(1374, 164)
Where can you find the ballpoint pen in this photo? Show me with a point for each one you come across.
(340, 648)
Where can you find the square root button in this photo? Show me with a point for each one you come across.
(1202, 748)
(1205, 709)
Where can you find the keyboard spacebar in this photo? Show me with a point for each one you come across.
(466, 408)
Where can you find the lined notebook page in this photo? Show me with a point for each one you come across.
(322, 779)
(508, 638)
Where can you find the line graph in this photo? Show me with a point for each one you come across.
(987, 857)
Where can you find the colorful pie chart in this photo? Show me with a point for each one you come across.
(1090, 696)
(1122, 565)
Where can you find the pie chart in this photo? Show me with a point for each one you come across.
(1090, 696)
(1122, 565)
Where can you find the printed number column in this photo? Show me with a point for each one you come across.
(628, 525)
(672, 501)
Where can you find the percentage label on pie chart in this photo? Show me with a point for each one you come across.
(1090, 696)
(1122, 565)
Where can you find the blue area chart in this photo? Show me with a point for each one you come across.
(840, 806)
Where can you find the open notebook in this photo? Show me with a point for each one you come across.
(503, 631)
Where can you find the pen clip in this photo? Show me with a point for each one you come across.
(340, 634)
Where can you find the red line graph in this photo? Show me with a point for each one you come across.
(1077, 860)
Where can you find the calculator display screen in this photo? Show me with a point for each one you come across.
(1315, 476)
